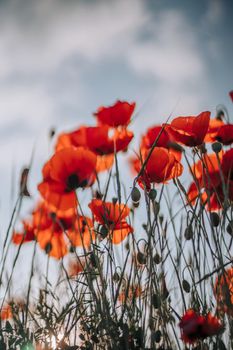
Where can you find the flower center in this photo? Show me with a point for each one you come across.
(48, 247)
(72, 182)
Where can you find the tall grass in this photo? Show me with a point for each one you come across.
(175, 257)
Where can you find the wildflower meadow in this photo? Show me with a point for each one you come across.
(128, 247)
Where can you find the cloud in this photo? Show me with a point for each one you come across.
(215, 11)
(90, 30)
(24, 105)
(172, 53)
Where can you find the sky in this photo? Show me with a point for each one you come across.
(61, 60)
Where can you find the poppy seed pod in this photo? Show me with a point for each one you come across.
(152, 194)
(214, 219)
(157, 258)
(157, 336)
(216, 147)
(186, 286)
(188, 234)
(135, 195)
(141, 258)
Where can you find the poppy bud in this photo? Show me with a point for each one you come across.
(116, 277)
(214, 219)
(135, 194)
(157, 336)
(230, 228)
(220, 114)
(152, 194)
(188, 234)
(52, 132)
(127, 247)
(186, 286)
(164, 290)
(161, 218)
(94, 259)
(216, 147)
(157, 258)
(141, 258)
(72, 249)
(23, 183)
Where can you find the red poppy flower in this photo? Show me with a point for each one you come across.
(102, 142)
(52, 242)
(55, 233)
(225, 134)
(112, 216)
(190, 131)
(161, 167)
(117, 115)
(49, 230)
(164, 139)
(196, 327)
(6, 312)
(227, 169)
(192, 193)
(75, 267)
(231, 95)
(81, 234)
(210, 172)
(76, 138)
(206, 171)
(212, 326)
(212, 200)
(223, 291)
(26, 236)
(208, 182)
(130, 294)
(213, 128)
(98, 140)
(68, 170)
(43, 218)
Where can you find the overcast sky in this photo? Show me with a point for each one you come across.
(60, 60)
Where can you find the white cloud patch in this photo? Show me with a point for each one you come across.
(24, 104)
(172, 53)
(90, 30)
